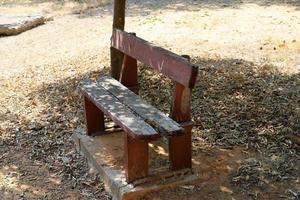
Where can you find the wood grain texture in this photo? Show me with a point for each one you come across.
(180, 148)
(116, 57)
(94, 117)
(129, 73)
(136, 158)
(162, 123)
(119, 113)
(172, 65)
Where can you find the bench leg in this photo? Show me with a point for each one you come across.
(180, 150)
(135, 158)
(94, 118)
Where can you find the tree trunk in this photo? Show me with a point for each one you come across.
(116, 56)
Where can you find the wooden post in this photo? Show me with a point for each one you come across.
(180, 147)
(94, 118)
(136, 158)
(119, 23)
(129, 73)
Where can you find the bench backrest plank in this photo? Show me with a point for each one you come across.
(151, 115)
(130, 122)
(173, 66)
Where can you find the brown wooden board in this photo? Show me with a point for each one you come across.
(136, 158)
(129, 73)
(119, 113)
(181, 158)
(94, 117)
(173, 66)
(163, 124)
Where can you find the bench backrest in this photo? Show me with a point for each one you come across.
(175, 67)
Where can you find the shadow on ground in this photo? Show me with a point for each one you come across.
(144, 8)
(88, 8)
(38, 158)
(235, 104)
(239, 104)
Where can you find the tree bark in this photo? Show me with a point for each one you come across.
(116, 56)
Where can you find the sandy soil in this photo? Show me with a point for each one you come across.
(38, 67)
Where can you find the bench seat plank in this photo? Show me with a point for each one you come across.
(119, 113)
(162, 123)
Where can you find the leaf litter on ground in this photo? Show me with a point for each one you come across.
(234, 103)
(239, 103)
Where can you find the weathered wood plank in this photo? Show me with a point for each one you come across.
(181, 158)
(154, 117)
(173, 66)
(15, 24)
(136, 158)
(119, 113)
(94, 117)
(129, 72)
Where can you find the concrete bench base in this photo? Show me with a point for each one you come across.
(105, 154)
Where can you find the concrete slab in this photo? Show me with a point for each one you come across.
(105, 154)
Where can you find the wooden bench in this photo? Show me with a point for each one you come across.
(140, 121)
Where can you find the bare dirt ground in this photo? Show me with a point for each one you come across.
(246, 104)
